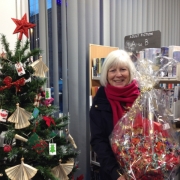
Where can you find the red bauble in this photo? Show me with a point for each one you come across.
(7, 148)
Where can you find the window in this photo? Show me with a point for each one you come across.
(35, 43)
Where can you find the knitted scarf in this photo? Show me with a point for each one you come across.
(118, 95)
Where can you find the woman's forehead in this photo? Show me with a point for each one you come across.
(118, 64)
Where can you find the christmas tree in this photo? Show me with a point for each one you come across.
(34, 144)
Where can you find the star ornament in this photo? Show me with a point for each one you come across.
(22, 26)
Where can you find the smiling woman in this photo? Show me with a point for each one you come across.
(117, 93)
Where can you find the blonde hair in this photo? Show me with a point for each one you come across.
(114, 58)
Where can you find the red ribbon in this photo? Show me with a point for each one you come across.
(49, 120)
(8, 83)
(145, 124)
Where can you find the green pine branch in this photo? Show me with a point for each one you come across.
(6, 45)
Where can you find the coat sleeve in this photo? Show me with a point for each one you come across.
(101, 145)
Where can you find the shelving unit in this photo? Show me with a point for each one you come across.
(174, 79)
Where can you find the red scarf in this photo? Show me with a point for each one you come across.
(118, 95)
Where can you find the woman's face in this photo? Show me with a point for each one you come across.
(118, 76)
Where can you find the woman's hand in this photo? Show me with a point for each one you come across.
(121, 178)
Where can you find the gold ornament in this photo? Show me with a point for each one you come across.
(39, 67)
(62, 170)
(70, 139)
(20, 138)
(21, 172)
(20, 117)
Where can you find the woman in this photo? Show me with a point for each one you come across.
(117, 93)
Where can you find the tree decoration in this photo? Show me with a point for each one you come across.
(7, 148)
(37, 99)
(39, 67)
(70, 139)
(3, 115)
(62, 170)
(21, 172)
(20, 138)
(48, 120)
(22, 26)
(47, 102)
(38, 144)
(20, 69)
(8, 83)
(34, 141)
(35, 112)
(52, 148)
(20, 117)
(47, 93)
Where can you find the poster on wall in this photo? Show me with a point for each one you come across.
(138, 42)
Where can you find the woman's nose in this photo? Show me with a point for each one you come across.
(118, 73)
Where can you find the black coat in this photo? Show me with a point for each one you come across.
(101, 125)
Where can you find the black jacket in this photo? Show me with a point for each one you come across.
(101, 125)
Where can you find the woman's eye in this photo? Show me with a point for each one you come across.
(112, 70)
(123, 69)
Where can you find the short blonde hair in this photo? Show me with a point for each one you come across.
(114, 58)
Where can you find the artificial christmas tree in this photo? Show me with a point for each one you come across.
(32, 140)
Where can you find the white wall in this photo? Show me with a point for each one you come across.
(11, 9)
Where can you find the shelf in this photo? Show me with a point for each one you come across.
(169, 79)
(95, 78)
(172, 79)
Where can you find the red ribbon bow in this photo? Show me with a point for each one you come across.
(49, 120)
(8, 83)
